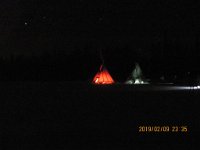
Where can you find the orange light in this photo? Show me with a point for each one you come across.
(103, 77)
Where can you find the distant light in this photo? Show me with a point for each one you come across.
(196, 87)
(25, 23)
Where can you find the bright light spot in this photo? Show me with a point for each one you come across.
(25, 23)
(96, 80)
(137, 81)
(196, 87)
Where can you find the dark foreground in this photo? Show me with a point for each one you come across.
(64, 116)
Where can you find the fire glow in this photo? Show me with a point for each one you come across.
(103, 76)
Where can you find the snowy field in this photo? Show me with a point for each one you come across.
(66, 115)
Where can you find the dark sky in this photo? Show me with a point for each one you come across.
(32, 26)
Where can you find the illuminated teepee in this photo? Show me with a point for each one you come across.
(136, 76)
(103, 76)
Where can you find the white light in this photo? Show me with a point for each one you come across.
(96, 80)
(196, 87)
(137, 81)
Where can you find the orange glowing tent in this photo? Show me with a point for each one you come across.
(103, 76)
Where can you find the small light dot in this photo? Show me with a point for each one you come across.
(25, 23)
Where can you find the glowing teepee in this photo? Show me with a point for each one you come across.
(103, 76)
(137, 76)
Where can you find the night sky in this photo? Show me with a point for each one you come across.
(37, 25)
(150, 32)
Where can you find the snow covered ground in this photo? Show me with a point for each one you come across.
(68, 115)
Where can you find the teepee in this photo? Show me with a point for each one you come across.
(103, 76)
(136, 76)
